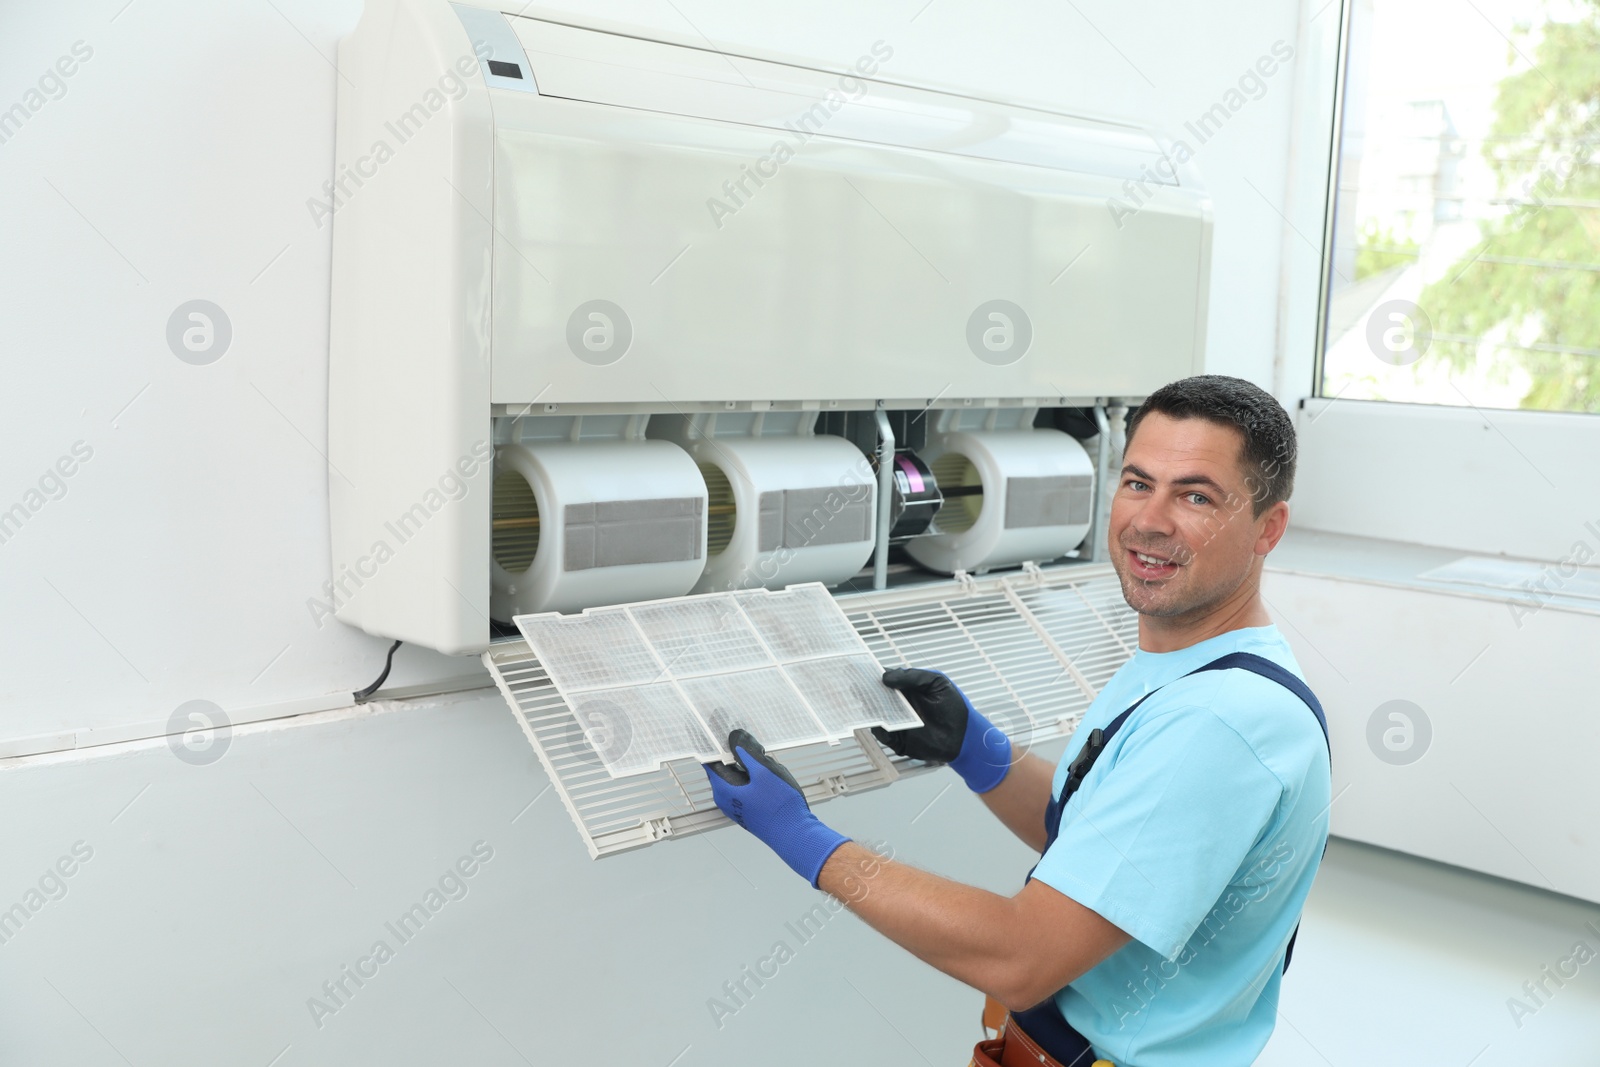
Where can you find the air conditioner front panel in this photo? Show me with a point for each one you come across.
(744, 296)
(575, 63)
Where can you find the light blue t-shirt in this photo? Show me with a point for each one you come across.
(1197, 832)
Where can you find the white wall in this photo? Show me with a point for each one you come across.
(1495, 771)
(177, 164)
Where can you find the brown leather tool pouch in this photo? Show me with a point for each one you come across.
(1013, 1047)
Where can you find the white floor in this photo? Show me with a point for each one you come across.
(1405, 961)
(217, 900)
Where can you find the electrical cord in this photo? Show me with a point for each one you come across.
(362, 695)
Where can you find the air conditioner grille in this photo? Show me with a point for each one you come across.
(1030, 649)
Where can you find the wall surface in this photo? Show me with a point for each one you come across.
(1461, 730)
(218, 903)
(181, 558)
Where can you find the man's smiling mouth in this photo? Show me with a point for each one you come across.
(1149, 567)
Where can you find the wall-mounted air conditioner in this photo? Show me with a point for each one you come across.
(619, 319)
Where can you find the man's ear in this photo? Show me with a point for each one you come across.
(1274, 521)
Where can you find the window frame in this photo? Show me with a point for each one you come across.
(1325, 265)
(1341, 67)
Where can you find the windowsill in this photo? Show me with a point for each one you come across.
(1398, 565)
(1416, 409)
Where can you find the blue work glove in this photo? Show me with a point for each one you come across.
(953, 731)
(762, 796)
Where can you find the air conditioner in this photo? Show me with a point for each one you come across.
(618, 318)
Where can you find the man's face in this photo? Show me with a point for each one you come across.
(1184, 499)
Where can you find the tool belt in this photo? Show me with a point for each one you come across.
(1052, 1043)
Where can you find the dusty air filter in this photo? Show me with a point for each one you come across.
(653, 682)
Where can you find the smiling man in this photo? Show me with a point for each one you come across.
(1181, 829)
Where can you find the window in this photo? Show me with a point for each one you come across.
(1464, 244)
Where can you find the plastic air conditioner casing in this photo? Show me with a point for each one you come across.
(480, 219)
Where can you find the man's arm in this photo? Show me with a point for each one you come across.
(1019, 950)
(1020, 799)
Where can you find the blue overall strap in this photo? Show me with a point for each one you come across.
(1268, 669)
(1044, 1023)
(1079, 769)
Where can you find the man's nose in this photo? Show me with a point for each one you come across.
(1154, 516)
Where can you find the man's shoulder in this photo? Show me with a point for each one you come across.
(1193, 690)
(1261, 643)
(1268, 715)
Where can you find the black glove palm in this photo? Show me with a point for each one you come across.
(739, 774)
(762, 796)
(942, 708)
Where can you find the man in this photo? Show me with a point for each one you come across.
(1154, 928)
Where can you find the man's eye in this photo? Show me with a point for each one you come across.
(1132, 483)
(1202, 497)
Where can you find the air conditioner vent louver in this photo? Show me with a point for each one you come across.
(1030, 649)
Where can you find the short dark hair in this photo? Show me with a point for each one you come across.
(1269, 441)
